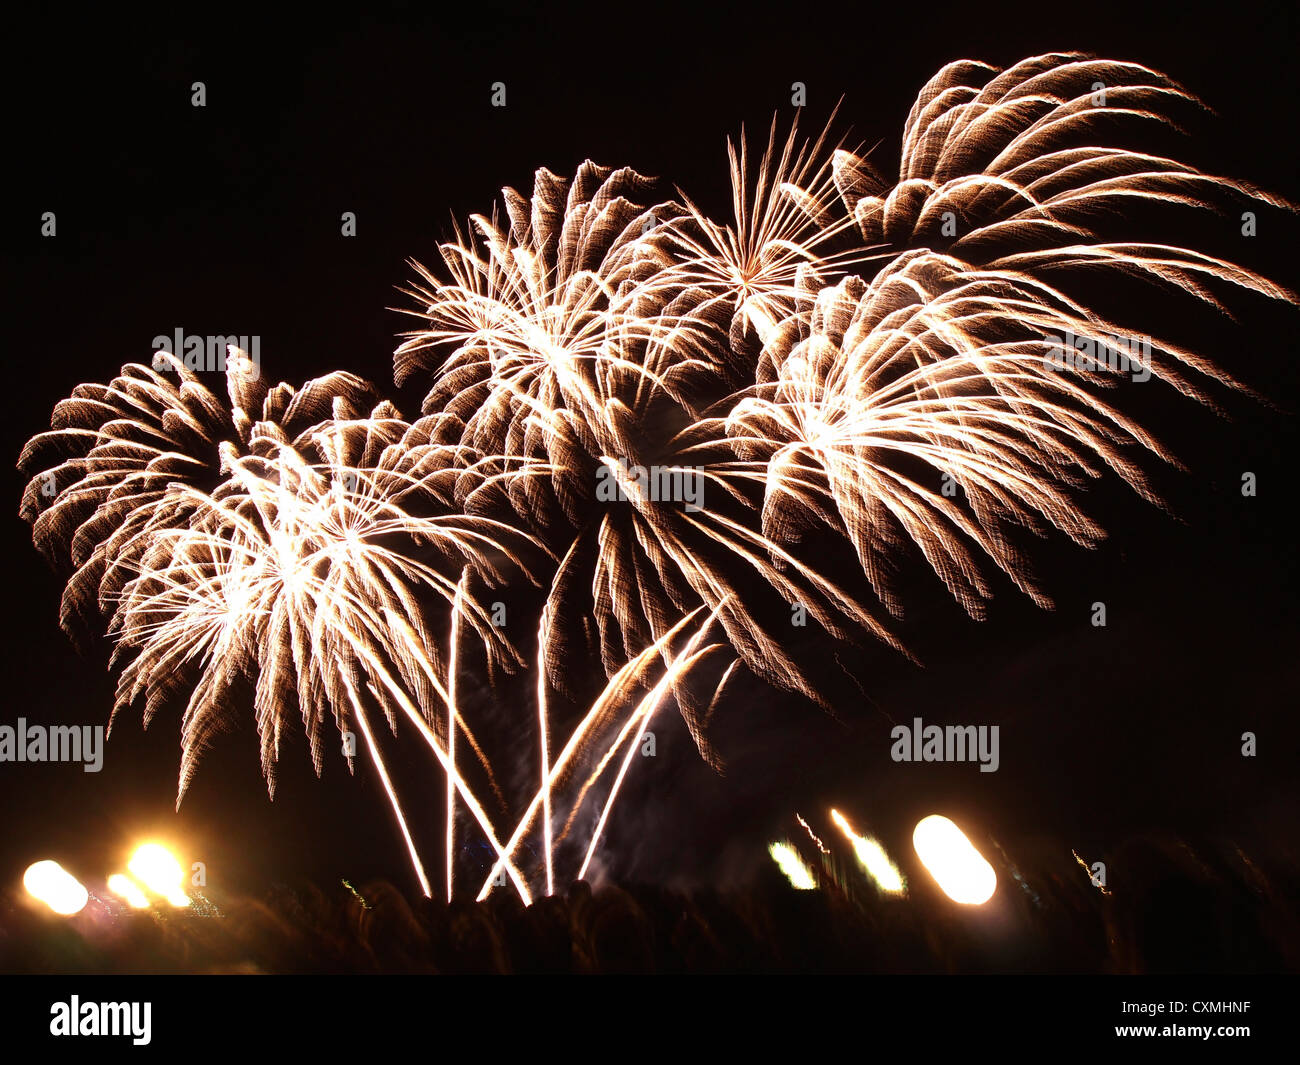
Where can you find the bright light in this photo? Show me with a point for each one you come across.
(156, 868)
(874, 858)
(953, 861)
(56, 887)
(799, 875)
(124, 887)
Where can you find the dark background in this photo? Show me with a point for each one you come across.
(225, 219)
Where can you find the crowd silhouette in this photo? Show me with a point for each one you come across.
(1171, 906)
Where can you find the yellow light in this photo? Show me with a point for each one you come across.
(799, 875)
(874, 858)
(56, 887)
(124, 887)
(958, 868)
(154, 866)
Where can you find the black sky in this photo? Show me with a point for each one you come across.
(226, 219)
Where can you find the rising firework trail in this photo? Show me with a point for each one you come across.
(796, 871)
(871, 856)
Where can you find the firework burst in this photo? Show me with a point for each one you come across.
(644, 412)
(289, 574)
(113, 452)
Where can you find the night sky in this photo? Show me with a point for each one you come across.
(226, 219)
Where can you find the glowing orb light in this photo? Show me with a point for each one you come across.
(124, 887)
(958, 868)
(799, 875)
(56, 887)
(872, 856)
(154, 866)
